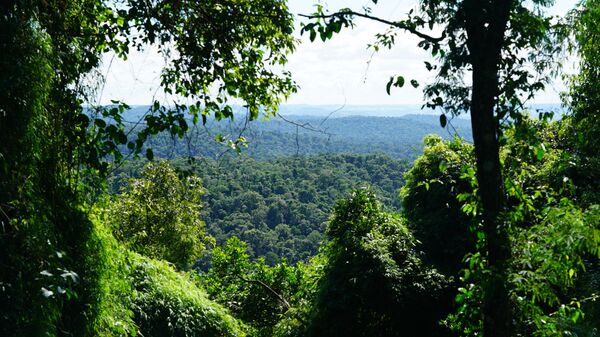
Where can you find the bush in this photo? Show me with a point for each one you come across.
(168, 303)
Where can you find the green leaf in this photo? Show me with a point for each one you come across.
(443, 120)
(149, 154)
(99, 122)
(399, 82)
(443, 166)
(540, 153)
(389, 85)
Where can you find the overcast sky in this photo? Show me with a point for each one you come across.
(335, 72)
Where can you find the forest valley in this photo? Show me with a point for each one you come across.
(108, 231)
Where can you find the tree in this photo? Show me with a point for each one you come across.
(255, 292)
(374, 282)
(498, 42)
(583, 98)
(54, 153)
(160, 216)
(431, 207)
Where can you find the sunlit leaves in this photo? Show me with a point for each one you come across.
(548, 256)
(159, 216)
(257, 293)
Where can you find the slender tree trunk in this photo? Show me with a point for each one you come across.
(497, 309)
(486, 23)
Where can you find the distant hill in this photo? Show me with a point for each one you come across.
(398, 137)
(395, 130)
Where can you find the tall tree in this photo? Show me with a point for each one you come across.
(505, 46)
(160, 216)
(374, 282)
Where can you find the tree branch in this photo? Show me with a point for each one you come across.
(264, 285)
(397, 24)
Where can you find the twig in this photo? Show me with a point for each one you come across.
(264, 285)
(397, 24)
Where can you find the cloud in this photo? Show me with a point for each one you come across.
(344, 70)
(341, 70)
(135, 80)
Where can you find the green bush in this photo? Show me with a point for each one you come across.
(168, 303)
(137, 295)
(160, 216)
(114, 290)
(430, 203)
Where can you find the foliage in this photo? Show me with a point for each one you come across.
(295, 320)
(375, 283)
(254, 292)
(160, 215)
(167, 303)
(235, 54)
(553, 239)
(368, 281)
(498, 43)
(51, 149)
(45, 284)
(115, 291)
(583, 98)
(430, 203)
(550, 256)
(139, 296)
(62, 273)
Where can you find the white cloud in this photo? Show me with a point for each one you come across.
(334, 72)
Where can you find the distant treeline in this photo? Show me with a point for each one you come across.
(398, 137)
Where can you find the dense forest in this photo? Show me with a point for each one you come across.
(353, 226)
(280, 207)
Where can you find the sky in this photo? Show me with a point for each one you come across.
(341, 71)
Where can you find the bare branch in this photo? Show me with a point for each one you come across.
(397, 24)
(308, 126)
(264, 285)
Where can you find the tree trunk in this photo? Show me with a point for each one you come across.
(486, 23)
(497, 309)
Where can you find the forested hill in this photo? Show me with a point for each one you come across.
(399, 137)
(280, 207)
